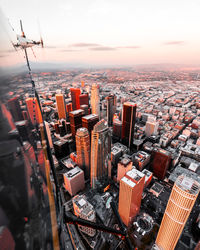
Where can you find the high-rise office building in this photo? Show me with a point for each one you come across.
(160, 164)
(84, 99)
(48, 134)
(95, 102)
(60, 103)
(128, 122)
(75, 93)
(100, 152)
(111, 108)
(117, 128)
(34, 110)
(179, 206)
(84, 210)
(89, 121)
(75, 118)
(130, 195)
(15, 109)
(123, 167)
(83, 150)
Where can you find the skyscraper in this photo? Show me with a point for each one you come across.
(84, 99)
(117, 129)
(161, 161)
(179, 206)
(128, 123)
(95, 103)
(75, 93)
(100, 152)
(34, 110)
(83, 149)
(130, 195)
(89, 121)
(60, 103)
(75, 118)
(15, 109)
(111, 108)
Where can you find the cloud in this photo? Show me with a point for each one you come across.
(84, 45)
(69, 50)
(174, 43)
(129, 47)
(50, 47)
(102, 48)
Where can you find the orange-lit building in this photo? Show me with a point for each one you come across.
(89, 121)
(95, 101)
(60, 103)
(128, 122)
(130, 195)
(34, 110)
(123, 167)
(83, 150)
(75, 93)
(179, 206)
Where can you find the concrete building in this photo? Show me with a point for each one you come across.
(123, 167)
(100, 152)
(74, 181)
(111, 108)
(130, 195)
(84, 210)
(179, 206)
(95, 102)
(83, 150)
(60, 104)
(34, 111)
(75, 118)
(151, 128)
(128, 122)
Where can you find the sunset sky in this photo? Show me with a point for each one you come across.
(110, 32)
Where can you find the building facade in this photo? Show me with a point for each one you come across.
(84, 210)
(60, 103)
(111, 108)
(100, 152)
(95, 101)
(83, 150)
(34, 111)
(130, 195)
(75, 93)
(179, 206)
(128, 122)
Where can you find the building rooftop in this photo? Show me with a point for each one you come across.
(128, 181)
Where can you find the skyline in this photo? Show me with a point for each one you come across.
(110, 32)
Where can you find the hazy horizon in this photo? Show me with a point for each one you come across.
(95, 32)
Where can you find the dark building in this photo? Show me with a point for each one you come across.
(84, 99)
(111, 108)
(75, 93)
(160, 164)
(128, 123)
(61, 148)
(117, 128)
(75, 118)
(15, 109)
(85, 108)
(89, 121)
